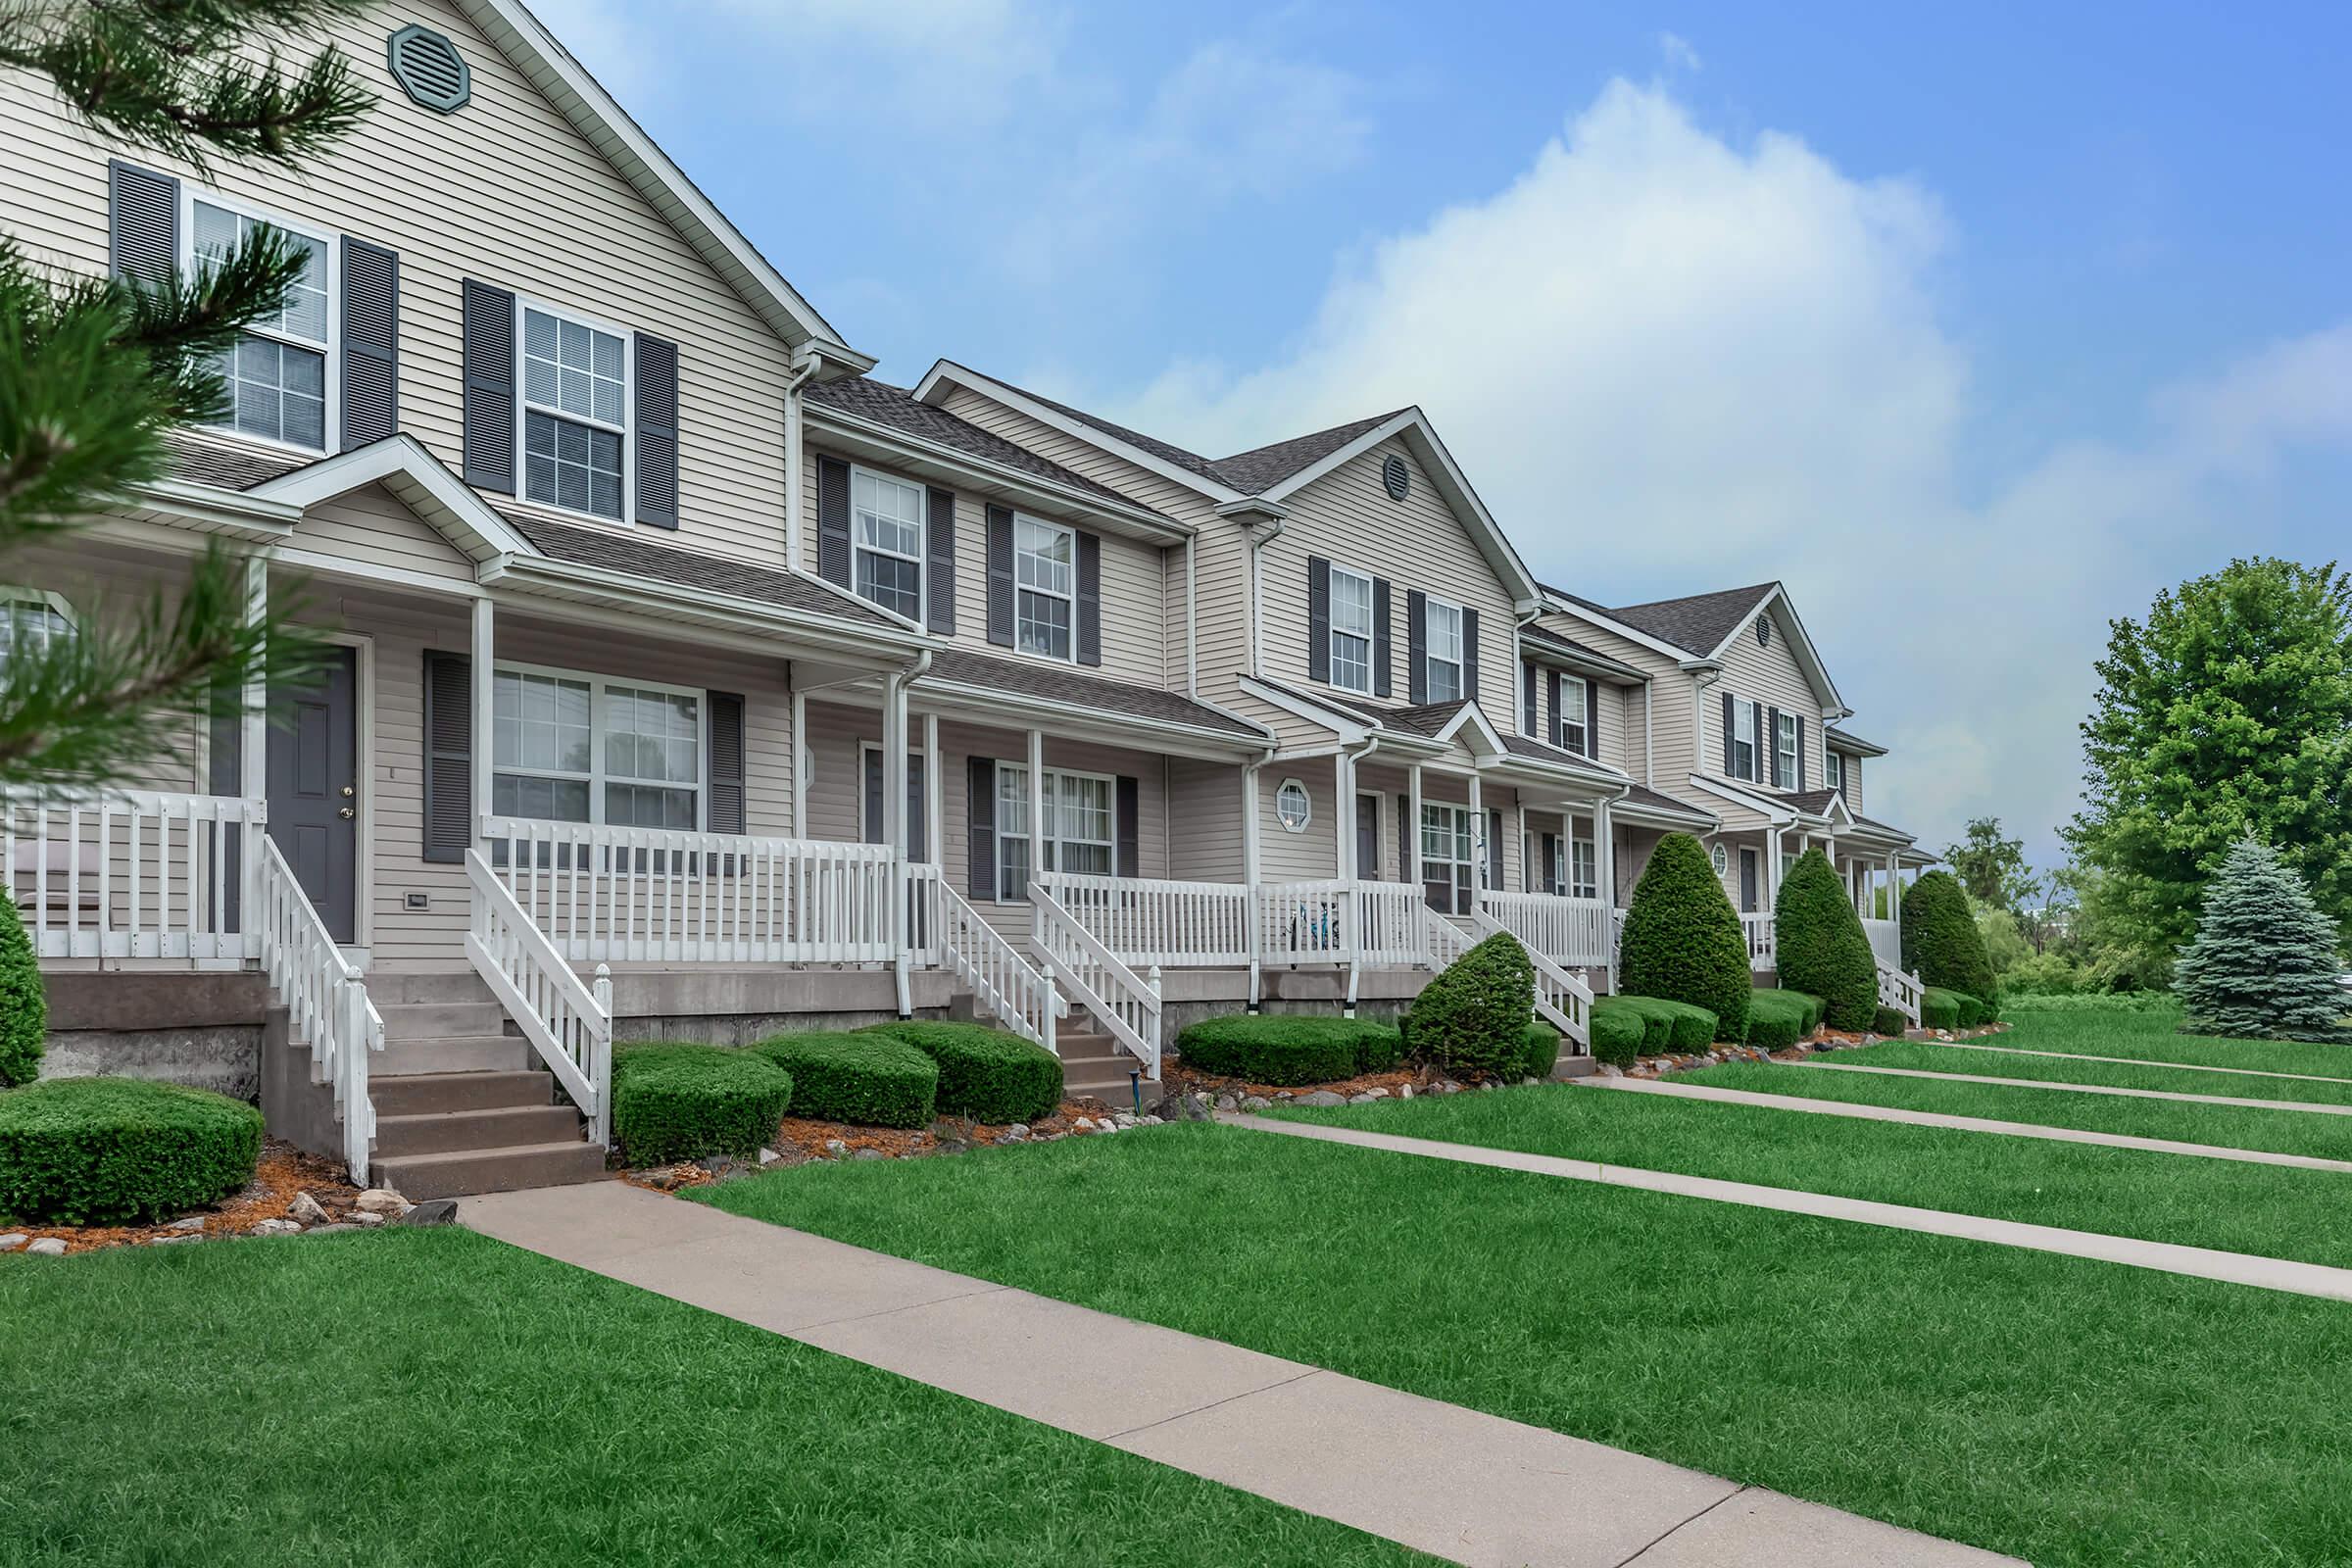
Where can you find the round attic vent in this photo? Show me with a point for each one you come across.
(429, 68)
(1397, 476)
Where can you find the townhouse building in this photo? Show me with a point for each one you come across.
(687, 678)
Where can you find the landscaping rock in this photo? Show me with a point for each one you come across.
(1228, 1102)
(13, 1240)
(46, 1247)
(1405, 1092)
(1256, 1102)
(306, 1209)
(1321, 1097)
(1016, 1132)
(367, 1219)
(193, 1222)
(1150, 1121)
(380, 1201)
(866, 1153)
(184, 1236)
(1084, 1124)
(1610, 1069)
(278, 1226)
(768, 1157)
(1367, 1097)
(329, 1230)
(836, 1148)
(432, 1211)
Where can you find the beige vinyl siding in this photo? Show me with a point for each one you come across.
(1205, 813)
(374, 527)
(503, 191)
(1769, 675)
(1671, 740)
(1310, 854)
(103, 585)
(1853, 783)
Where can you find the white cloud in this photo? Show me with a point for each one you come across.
(1677, 52)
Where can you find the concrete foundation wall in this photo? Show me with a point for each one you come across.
(200, 1029)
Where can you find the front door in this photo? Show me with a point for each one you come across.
(1367, 838)
(1747, 881)
(315, 789)
(916, 827)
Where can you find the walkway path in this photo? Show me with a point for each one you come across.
(2236, 1268)
(2080, 1089)
(1457, 1484)
(1966, 1124)
(2142, 1062)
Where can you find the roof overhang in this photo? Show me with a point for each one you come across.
(1599, 666)
(1675, 817)
(1850, 745)
(946, 376)
(1555, 604)
(795, 633)
(1779, 813)
(993, 706)
(422, 482)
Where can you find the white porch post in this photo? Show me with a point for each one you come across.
(1343, 816)
(1412, 832)
(1772, 869)
(934, 795)
(894, 824)
(1036, 803)
(1604, 853)
(802, 759)
(1250, 869)
(485, 710)
(253, 754)
(1527, 876)
(1478, 840)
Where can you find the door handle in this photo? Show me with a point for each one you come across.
(347, 813)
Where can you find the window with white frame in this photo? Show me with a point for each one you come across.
(1723, 860)
(1449, 856)
(1350, 630)
(277, 373)
(1045, 575)
(1294, 808)
(887, 516)
(570, 748)
(1743, 740)
(29, 620)
(1784, 754)
(576, 400)
(1832, 772)
(1080, 824)
(1443, 655)
(1573, 708)
(1584, 862)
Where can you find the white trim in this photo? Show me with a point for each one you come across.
(329, 347)
(627, 429)
(1794, 753)
(1475, 863)
(1431, 603)
(596, 779)
(1471, 715)
(400, 454)
(1348, 725)
(12, 593)
(1032, 799)
(922, 543)
(989, 705)
(1590, 749)
(1304, 794)
(1777, 812)
(947, 372)
(1069, 531)
(1370, 637)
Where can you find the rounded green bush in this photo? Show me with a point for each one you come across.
(1287, 1049)
(85, 1151)
(1680, 1026)
(1940, 1008)
(1682, 939)
(1779, 1020)
(1973, 1011)
(1891, 1021)
(873, 1079)
(23, 1007)
(989, 1075)
(1941, 944)
(1540, 1050)
(1617, 1030)
(1473, 1016)
(1820, 945)
(673, 1102)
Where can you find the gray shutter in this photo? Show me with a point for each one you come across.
(371, 343)
(1551, 861)
(1529, 709)
(833, 522)
(1726, 736)
(1089, 599)
(1593, 719)
(448, 757)
(1382, 685)
(980, 774)
(1494, 849)
(1416, 638)
(999, 576)
(656, 432)
(143, 211)
(869, 782)
(1405, 828)
(1470, 654)
(1129, 854)
(488, 359)
(1760, 773)
(1772, 745)
(1559, 734)
(938, 570)
(724, 744)
(1318, 619)
(1800, 754)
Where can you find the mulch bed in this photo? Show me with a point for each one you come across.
(802, 1140)
(283, 1171)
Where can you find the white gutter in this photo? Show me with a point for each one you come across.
(803, 366)
(1192, 618)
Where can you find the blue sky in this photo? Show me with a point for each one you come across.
(1975, 327)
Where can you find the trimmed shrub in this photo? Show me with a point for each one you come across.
(1973, 1010)
(85, 1151)
(2264, 958)
(990, 1075)
(673, 1102)
(1287, 1049)
(1473, 1016)
(1940, 1008)
(1540, 1050)
(876, 1080)
(23, 1007)
(1891, 1023)
(1779, 1020)
(1617, 1030)
(1941, 944)
(1820, 943)
(1682, 939)
(1683, 1027)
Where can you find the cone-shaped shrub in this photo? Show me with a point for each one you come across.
(2264, 958)
(23, 1007)
(1821, 944)
(1941, 944)
(1682, 939)
(1473, 1018)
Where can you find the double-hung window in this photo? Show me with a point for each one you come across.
(30, 621)
(1449, 856)
(1045, 575)
(1784, 754)
(1350, 630)
(1573, 734)
(888, 516)
(1832, 772)
(1443, 655)
(572, 747)
(1079, 827)
(1743, 740)
(277, 372)
(575, 401)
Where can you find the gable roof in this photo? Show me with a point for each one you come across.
(1262, 469)
(607, 127)
(1699, 623)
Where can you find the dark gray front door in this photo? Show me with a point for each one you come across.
(916, 827)
(314, 790)
(1747, 881)
(1367, 838)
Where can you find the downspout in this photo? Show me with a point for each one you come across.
(1258, 540)
(1250, 867)
(1351, 906)
(1649, 743)
(893, 812)
(1192, 619)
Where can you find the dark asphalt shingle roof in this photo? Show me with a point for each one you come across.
(1571, 647)
(1698, 622)
(1521, 745)
(1643, 795)
(1837, 735)
(1251, 472)
(688, 569)
(1052, 683)
(1813, 803)
(200, 461)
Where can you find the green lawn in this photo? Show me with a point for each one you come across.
(437, 1397)
(2074, 1413)
(2154, 1036)
(1926, 1056)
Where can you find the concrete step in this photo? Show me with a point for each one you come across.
(458, 1053)
(403, 987)
(445, 1132)
(1573, 1067)
(426, 1092)
(509, 1169)
(440, 1020)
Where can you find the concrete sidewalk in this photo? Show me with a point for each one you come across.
(1860, 1111)
(2314, 1108)
(1454, 1482)
(2142, 1062)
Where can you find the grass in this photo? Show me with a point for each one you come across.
(1925, 1057)
(2075, 1413)
(2154, 1036)
(437, 1397)
(2276, 1212)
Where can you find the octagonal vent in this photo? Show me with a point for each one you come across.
(429, 68)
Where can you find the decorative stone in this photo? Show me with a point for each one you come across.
(278, 1226)
(46, 1247)
(13, 1240)
(1148, 1121)
(1256, 1102)
(192, 1222)
(366, 1219)
(1228, 1102)
(306, 1209)
(1365, 1099)
(1018, 1130)
(866, 1153)
(1084, 1124)
(1322, 1097)
(181, 1236)
(768, 1157)
(1405, 1092)
(1610, 1069)
(329, 1230)
(380, 1201)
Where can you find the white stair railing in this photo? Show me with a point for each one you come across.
(1562, 999)
(325, 999)
(1127, 1005)
(1761, 954)
(569, 1022)
(1900, 991)
(1003, 981)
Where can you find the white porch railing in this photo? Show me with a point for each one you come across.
(325, 999)
(1003, 981)
(1571, 932)
(1171, 924)
(1761, 951)
(565, 1020)
(1886, 940)
(129, 874)
(1900, 991)
(1367, 923)
(621, 894)
(1127, 1005)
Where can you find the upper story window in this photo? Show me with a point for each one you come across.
(1743, 740)
(1574, 706)
(887, 532)
(276, 374)
(570, 748)
(1783, 753)
(1044, 574)
(29, 620)
(576, 400)
(1350, 630)
(1832, 772)
(1443, 655)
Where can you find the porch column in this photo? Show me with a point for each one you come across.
(485, 710)
(801, 761)
(1413, 833)
(1772, 868)
(934, 795)
(1250, 870)
(253, 772)
(1527, 876)
(1343, 775)
(894, 823)
(1478, 840)
(1604, 853)
(1036, 803)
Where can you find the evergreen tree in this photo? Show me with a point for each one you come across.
(1820, 945)
(95, 371)
(1941, 944)
(2263, 960)
(1683, 940)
